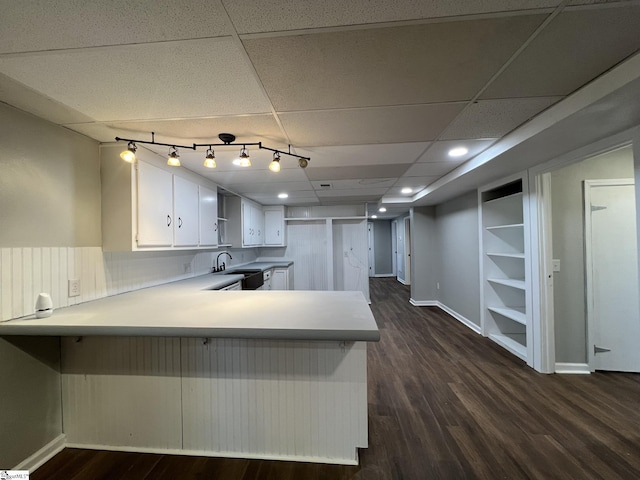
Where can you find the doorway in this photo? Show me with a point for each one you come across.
(407, 250)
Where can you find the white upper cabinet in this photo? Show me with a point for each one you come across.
(208, 216)
(246, 222)
(274, 230)
(155, 206)
(185, 208)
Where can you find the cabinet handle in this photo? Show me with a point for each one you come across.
(168, 220)
(179, 222)
(215, 227)
(277, 233)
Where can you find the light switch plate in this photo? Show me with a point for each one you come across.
(556, 265)
(74, 288)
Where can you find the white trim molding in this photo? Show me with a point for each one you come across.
(462, 319)
(384, 275)
(573, 368)
(423, 303)
(43, 455)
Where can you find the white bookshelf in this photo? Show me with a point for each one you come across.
(506, 292)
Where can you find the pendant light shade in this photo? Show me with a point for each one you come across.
(173, 159)
(129, 155)
(210, 159)
(243, 160)
(274, 166)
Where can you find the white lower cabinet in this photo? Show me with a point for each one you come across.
(282, 279)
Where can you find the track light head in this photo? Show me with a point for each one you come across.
(303, 162)
(173, 159)
(210, 159)
(274, 166)
(243, 160)
(129, 155)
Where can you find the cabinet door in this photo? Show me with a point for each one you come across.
(257, 219)
(208, 216)
(155, 206)
(247, 227)
(274, 227)
(185, 204)
(280, 279)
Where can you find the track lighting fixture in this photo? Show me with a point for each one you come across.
(173, 159)
(129, 155)
(210, 159)
(243, 159)
(274, 166)
(227, 139)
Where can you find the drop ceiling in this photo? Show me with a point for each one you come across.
(375, 92)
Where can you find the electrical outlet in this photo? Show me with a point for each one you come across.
(74, 288)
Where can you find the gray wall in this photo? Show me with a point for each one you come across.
(457, 248)
(49, 186)
(568, 247)
(424, 254)
(382, 247)
(49, 197)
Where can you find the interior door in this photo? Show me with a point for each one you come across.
(400, 252)
(407, 250)
(372, 257)
(612, 275)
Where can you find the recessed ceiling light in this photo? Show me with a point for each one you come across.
(283, 195)
(382, 209)
(406, 190)
(374, 216)
(458, 151)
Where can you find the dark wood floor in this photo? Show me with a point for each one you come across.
(444, 403)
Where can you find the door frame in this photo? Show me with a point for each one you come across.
(588, 257)
(407, 250)
(539, 205)
(371, 252)
(394, 248)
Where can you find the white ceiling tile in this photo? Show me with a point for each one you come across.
(358, 184)
(249, 175)
(576, 47)
(412, 64)
(360, 192)
(415, 183)
(431, 169)
(414, 123)
(369, 172)
(250, 16)
(189, 79)
(380, 154)
(274, 187)
(439, 151)
(496, 118)
(247, 128)
(70, 24)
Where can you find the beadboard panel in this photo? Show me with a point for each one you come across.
(27, 272)
(350, 255)
(220, 397)
(122, 391)
(307, 247)
(275, 399)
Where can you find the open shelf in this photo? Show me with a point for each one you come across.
(506, 255)
(509, 282)
(514, 342)
(511, 225)
(517, 196)
(514, 313)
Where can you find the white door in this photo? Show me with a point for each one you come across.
(394, 248)
(612, 275)
(185, 211)
(155, 206)
(208, 216)
(371, 251)
(400, 252)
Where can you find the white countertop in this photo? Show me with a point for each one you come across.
(189, 308)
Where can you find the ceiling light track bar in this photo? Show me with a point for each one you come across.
(153, 142)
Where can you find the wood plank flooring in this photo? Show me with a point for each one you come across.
(444, 403)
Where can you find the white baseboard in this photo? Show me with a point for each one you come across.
(423, 303)
(460, 318)
(201, 453)
(573, 368)
(384, 275)
(404, 282)
(43, 455)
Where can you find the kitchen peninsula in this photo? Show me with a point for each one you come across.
(181, 368)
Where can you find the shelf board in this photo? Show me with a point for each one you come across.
(220, 219)
(509, 282)
(506, 197)
(508, 255)
(225, 245)
(513, 313)
(500, 227)
(516, 343)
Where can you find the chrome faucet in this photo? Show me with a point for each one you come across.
(219, 268)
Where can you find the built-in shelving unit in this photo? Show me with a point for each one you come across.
(222, 221)
(505, 270)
